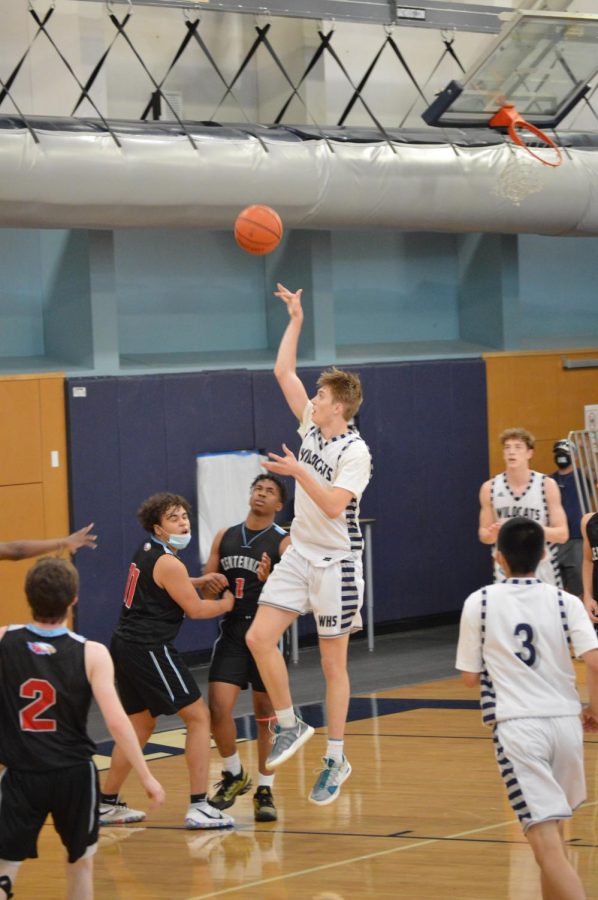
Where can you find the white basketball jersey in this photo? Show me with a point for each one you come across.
(517, 634)
(344, 462)
(531, 504)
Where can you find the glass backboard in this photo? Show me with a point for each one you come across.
(542, 63)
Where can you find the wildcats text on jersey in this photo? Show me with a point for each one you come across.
(510, 512)
(239, 562)
(310, 458)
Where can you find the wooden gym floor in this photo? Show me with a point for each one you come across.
(424, 815)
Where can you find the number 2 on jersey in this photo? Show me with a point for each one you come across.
(44, 696)
(525, 633)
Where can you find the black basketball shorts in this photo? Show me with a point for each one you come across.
(231, 660)
(153, 678)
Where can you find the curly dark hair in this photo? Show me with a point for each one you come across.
(51, 585)
(151, 510)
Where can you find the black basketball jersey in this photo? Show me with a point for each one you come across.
(240, 552)
(592, 532)
(149, 614)
(44, 699)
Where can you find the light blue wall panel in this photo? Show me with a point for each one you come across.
(21, 318)
(187, 291)
(558, 291)
(397, 287)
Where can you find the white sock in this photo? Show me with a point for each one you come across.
(266, 780)
(286, 717)
(232, 764)
(334, 750)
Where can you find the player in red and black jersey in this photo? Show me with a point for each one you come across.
(245, 554)
(48, 675)
(152, 678)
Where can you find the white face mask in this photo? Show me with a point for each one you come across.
(179, 541)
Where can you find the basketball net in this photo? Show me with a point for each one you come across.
(522, 175)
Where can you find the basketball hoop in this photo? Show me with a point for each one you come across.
(508, 117)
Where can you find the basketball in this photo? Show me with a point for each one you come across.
(258, 229)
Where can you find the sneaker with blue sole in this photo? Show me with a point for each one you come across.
(287, 741)
(329, 781)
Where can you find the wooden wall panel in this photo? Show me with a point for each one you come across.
(33, 492)
(534, 391)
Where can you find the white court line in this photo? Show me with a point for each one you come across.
(354, 859)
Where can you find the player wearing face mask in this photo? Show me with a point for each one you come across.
(569, 554)
(152, 678)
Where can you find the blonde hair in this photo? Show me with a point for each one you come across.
(518, 434)
(345, 388)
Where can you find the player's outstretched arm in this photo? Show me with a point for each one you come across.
(590, 713)
(558, 530)
(15, 550)
(587, 572)
(285, 368)
(100, 673)
(171, 574)
(488, 526)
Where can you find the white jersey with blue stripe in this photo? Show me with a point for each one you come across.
(343, 461)
(531, 504)
(517, 635)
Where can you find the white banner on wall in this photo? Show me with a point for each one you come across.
(223, 481)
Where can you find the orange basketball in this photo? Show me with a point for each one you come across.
(258, 229)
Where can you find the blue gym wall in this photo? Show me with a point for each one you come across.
(425, 423)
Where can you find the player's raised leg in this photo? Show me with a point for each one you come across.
(336, 770)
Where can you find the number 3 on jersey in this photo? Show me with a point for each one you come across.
(525, 633)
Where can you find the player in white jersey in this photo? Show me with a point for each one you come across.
(519, 491)
(514, 641)
(321, 571)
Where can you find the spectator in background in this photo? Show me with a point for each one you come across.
(569, 554)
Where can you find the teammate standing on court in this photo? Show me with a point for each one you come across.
(519, 491)
(47, 677)
(589, 567)
(321, 571)
(152, 678)
(514, 641)
(245, 554)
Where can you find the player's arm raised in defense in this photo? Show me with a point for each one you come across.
(331, 500)
(489, 525)
(265, 564)
(558, 530)
(171, 574)
(100, 673)
(285, 368)
(15, 550)
(587, 569)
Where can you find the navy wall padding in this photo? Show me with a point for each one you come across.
(425, 423)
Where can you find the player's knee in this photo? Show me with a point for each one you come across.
(334, 668)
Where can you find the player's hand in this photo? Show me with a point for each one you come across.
(81, 538)
(591, 608)
(589, 719)
(264, 568)
(227, 601)
(212, 583)
(292, 300)
(283, 465)
(493, 530)
(154, 791)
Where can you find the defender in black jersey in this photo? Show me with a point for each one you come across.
(589, 531)
(48, 675)
(152, 678)
(245, 554)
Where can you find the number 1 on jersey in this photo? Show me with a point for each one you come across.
(239, 588)
(131, 584)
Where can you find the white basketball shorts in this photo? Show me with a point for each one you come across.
(333, 593)
(541, 763)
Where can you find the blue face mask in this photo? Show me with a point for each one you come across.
(179, 541)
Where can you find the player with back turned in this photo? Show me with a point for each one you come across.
(48, 675)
